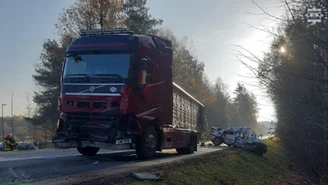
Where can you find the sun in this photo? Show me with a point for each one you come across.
(282, 49)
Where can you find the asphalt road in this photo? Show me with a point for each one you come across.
(68, 166)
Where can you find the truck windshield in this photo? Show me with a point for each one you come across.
(98, 65)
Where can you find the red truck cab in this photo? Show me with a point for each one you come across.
(117, 93)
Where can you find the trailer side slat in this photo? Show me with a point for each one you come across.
(187, 110)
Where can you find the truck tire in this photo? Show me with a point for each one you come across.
(147, 145)
(88, 151)
(192, 146)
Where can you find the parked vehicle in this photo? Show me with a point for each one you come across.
(26, 145)
(240, 137)
(117, 93)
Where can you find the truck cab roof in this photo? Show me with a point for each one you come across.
(114, 40)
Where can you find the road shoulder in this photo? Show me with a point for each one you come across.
(227, 167)
(107, 174)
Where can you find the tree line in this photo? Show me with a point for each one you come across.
(24, 132)
(293, 77)
(293, 73)
(188, 71)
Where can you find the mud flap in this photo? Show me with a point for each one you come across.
(61, 132)
(196, 142)
(62, 127)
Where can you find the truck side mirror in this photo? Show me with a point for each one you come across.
(143, 63)
(149, 78)
(146, 65)
(146, 69)
(149, 69)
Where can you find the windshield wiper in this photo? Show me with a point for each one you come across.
(81, 74)
(109, 75)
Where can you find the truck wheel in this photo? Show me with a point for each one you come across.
(88, 151)
(192, 146)
(147, 145)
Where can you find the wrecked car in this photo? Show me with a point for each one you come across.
(239, 137)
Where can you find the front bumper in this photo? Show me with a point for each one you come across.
(73, 144)
(97, 130)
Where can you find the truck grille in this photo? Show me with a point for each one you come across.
(83, 105)
(95, 130)
(100, 105)
(95, 105)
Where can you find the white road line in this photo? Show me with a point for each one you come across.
(18, 159)
(126, 167)
(2, 159)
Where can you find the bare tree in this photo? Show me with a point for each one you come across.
(86, 14)
(294, 80)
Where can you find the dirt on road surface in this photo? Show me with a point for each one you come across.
(68, 167)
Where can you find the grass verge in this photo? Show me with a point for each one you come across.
(226, 167)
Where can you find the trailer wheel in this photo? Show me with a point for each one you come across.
(88, 151)
(192, 146)
(147, 145)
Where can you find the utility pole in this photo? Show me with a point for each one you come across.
(325, 57)
(12, 114)
(3, 128)
(101, 21)
(28, 107)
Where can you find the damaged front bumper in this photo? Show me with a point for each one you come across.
(101, 131)
(74, 144)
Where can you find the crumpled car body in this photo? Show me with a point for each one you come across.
(239, 137)
(26, 146)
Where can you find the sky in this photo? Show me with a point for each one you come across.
(213, 27)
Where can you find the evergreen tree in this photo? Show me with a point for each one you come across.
(47, 77)
(245, 108)
(137, 18)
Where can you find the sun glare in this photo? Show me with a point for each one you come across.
(282, 49)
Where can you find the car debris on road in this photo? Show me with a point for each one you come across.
(239, 137)
(146, 176)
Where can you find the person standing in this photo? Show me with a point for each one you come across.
(9, 143)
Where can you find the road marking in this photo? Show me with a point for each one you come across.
(2, 159)
(95, 162)
(18, 159)
(126, 167)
